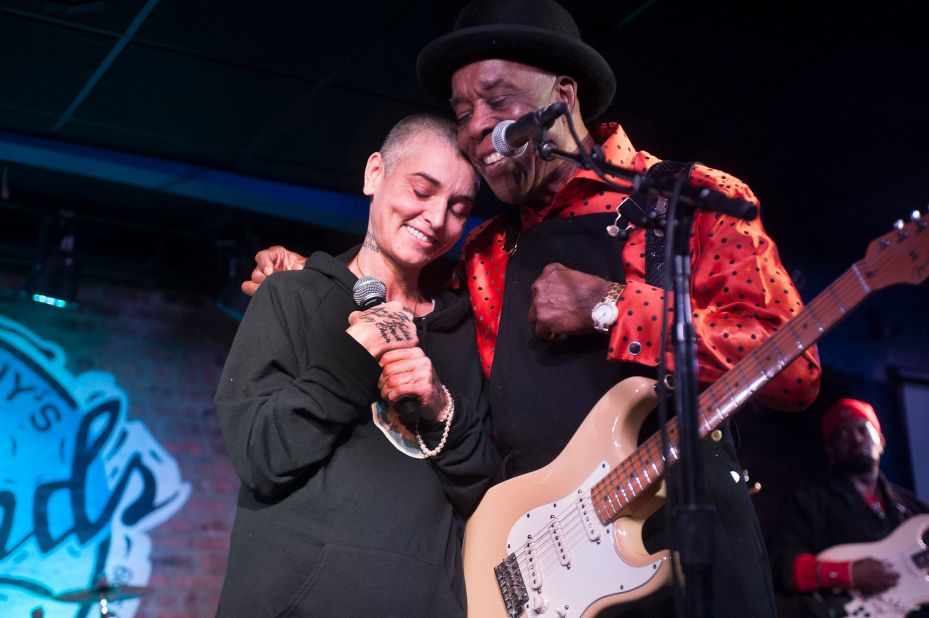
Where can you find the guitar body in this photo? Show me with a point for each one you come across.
(596, 565)
(905, 550)
(538, 544)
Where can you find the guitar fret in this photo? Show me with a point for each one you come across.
(751, 386)
(799, 342)
(762, 368)
(638, 470)
(739, 396)
(645, 471)
(864, 284)
(612, 506)
(654, 457)
(819, 325)
(619, 501)
(598, 507)
(838, 301)
(740, 392)
(719, 410)
(707, 428)
(624, 478)
(731, 406)
(781, 363)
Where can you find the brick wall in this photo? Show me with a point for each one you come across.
(167, 354)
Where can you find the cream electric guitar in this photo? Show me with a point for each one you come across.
(906, 551)
(565, 540)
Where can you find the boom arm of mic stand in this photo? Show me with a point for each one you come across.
(548, 151)
(663, 184)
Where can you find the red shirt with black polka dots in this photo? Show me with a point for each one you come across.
(741, 291)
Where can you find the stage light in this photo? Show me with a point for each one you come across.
(54, 280)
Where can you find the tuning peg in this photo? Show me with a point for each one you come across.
(921, 223)
(898, 224)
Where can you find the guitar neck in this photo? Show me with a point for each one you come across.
(641, 470)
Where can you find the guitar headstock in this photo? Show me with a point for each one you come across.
(900, 256)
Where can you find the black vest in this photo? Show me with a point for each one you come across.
(541, 391)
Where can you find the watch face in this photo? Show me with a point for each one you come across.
(605, 313)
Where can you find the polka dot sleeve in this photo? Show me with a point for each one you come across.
(741, 294)
(636, 336)
(741, 291)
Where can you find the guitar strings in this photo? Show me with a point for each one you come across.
(569, 517)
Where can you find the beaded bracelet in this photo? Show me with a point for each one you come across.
(449, 413)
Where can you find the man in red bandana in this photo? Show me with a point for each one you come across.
(856, 504)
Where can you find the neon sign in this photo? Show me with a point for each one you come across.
(80, 483)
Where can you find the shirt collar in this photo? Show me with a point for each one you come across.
(619, 151)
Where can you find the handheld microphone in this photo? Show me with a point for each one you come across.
(510, 137)
(369, 292)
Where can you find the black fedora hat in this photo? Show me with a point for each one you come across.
(539, 33)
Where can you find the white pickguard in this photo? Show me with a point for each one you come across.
(563, 580)
(911, 589)
(905, 552)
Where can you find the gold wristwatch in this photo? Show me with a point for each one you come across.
(605, 312)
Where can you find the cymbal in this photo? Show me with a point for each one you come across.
(111, 593)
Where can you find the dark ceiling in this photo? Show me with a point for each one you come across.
(822, 108)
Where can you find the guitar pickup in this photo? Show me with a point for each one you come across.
(556, 534)
(535, 575)
(588, 519)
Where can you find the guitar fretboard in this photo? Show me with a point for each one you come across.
(646, 465)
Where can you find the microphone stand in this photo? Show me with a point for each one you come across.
(692, 197)
(695, 516)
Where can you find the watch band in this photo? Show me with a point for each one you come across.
(612, 296)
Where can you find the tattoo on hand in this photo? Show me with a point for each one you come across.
(390, 324)
(396, 328)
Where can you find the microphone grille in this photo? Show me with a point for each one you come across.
(369, 291)
(498, 138)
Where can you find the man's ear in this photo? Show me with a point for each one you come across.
(374, 173)
(566, 90)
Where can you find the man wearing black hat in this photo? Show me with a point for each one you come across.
(587, 297)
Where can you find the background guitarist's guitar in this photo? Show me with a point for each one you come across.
(565, 540)
(905, 550)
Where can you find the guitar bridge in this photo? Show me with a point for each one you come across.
(512, 587)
